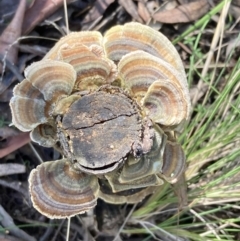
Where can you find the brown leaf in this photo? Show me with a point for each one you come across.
(7, 10)
(11, 34)
(184, 13)
(143, 11)
(13, 143)
(39, 10)
(131, 8)
(6, 132)
(96, 11)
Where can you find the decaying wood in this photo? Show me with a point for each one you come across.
(97, 117)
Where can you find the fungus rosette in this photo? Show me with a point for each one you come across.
(111, 104)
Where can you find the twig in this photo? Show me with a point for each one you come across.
(17, 186)
(66, 15)
(85, 231)
(58, 230)
(7, 222)
(164, 235)
(48, 231)
(13, 68)
(36, 153)
(220, 28)
(105, 21)
(207, 224)
(124, 223)
(143, 223)
(68, 228)
(212, 48)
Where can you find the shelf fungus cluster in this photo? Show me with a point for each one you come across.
(112, 105)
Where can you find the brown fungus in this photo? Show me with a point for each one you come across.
(59, 191)
(112, 105)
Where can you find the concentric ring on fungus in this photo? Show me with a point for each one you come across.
(111, 105)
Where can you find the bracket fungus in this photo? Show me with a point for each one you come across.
(112, 105)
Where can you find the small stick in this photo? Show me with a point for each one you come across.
(68, 229)
(7, 222)
(124, 223)
(66, 15)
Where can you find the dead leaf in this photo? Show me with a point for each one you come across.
(11, 34)
(39, 10)
(14, 143)
(131, 8)
(143, 11)
(184, 13)
(96, 12)
(11, 168)
(7, 10)
(6, 132)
